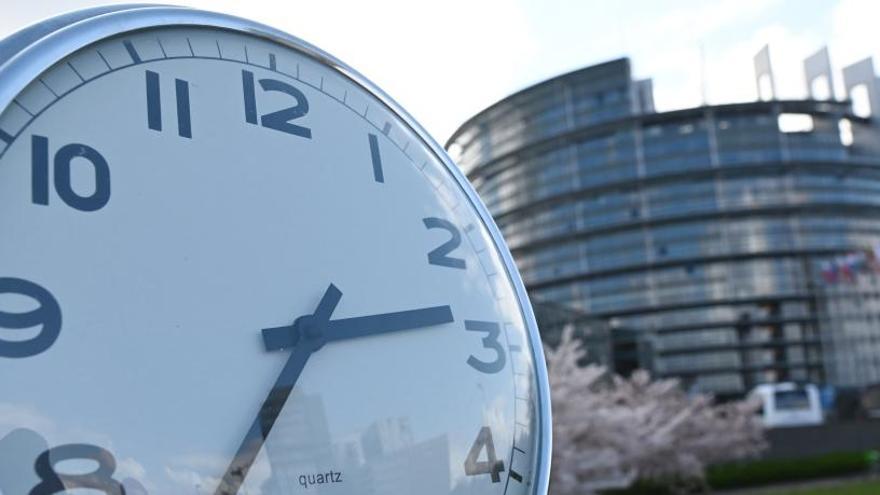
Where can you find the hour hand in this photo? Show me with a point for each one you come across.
(361, 326)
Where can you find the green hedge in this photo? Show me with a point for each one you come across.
(768, 471)
(765, 472)
(643, 487)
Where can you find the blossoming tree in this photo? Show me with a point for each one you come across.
(610, 431)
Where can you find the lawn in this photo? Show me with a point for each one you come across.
(857, 488)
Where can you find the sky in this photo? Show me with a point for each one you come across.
(445, 61)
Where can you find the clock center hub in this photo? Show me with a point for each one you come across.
(310, 331)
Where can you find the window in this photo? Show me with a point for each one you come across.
(795, 122)
(846, 133)
(861, 101)
(792, 400)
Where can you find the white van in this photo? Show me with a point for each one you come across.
(789, 404)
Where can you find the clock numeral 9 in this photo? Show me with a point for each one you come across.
(279, 120)
(63, 182)
(492, 466)
(100, 479)
(48, 314)
(490, 341)
(440, 256)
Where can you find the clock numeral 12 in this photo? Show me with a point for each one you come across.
(279, 120)
(492, 465)
(62, 171)
(154, 105)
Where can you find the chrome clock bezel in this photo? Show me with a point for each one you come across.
(33, 50)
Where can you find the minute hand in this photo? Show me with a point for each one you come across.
(361, 326)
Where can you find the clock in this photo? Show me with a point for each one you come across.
(230, 264)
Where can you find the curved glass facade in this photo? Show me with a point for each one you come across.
(701, 231)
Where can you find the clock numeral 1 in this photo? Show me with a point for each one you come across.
(378, 173)
(48, 314)
(281, 119)
(440, 256)
(100, 479)
(62, 169)
(492, 466)
(154, 105)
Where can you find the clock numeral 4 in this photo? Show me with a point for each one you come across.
(48, 314)
(440, 256)
(490, 341)
(278, 120)
(154, 105)
(101, 479)
(492, 466)
(62, 162)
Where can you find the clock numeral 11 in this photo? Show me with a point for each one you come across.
(154, 105)
(62, 162)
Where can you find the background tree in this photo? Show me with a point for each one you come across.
(610, 431)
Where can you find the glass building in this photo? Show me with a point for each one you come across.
(726, 245)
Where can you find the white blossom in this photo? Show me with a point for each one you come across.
(610, 431)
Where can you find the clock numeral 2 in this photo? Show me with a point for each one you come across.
(48, 314)
(279, 120)
(63, 183)
(490, 341)
(492, 466)
(154, 105)
(100, 479)
(440, 256)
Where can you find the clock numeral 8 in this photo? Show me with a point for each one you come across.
(100, 479)
(62, 171)
(48, 315)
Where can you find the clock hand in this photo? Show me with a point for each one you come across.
(310, 329)
(361, 326)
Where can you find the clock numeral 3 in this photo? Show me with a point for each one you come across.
(492, 466)
(279, 120)
(48, 314)
(440, 256)
(490, 341)
(100, 479)
(154, 105)
(62, 171)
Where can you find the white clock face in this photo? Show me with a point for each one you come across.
(172, 201)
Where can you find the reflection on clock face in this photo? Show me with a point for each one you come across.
(189, 214)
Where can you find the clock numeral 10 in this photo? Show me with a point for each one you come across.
(492, 465)
(63, 161)
(48, 314)
(279, 120)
